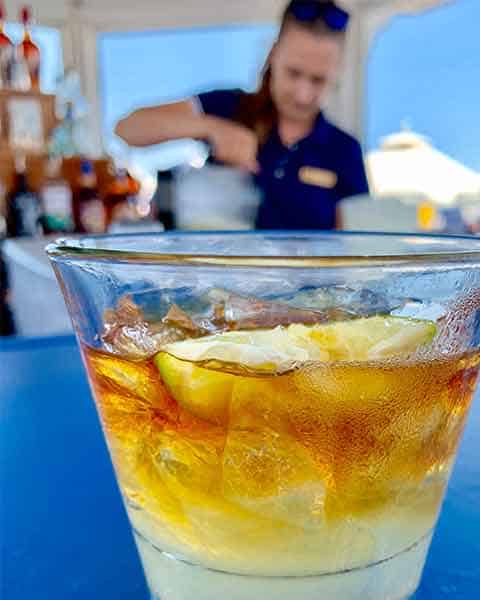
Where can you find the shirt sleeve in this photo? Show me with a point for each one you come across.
(354, 181)
(219, 103)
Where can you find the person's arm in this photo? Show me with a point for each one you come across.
(156, 124)
(231, 143)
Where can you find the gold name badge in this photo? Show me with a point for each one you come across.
(319, 177)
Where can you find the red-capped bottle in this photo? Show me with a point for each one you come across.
(6, 51)
(29, 50)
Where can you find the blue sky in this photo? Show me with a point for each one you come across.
(426, 69)
(139, 69)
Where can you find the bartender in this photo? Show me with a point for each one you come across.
(303, 164)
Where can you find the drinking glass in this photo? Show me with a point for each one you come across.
(283, 410)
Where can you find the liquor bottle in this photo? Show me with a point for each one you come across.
(88, 208)
(7, 322)
(29, 50)
(19, 76)
(134, 186)
(63, 141)
(163, 199)
(23, 206)
(6, 51)
(3, 210)
(56, 200)
(117, 198)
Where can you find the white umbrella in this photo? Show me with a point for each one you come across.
(408, 165)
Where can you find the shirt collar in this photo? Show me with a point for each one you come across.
(318, 134)
(320, 129)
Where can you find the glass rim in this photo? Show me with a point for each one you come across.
(81, 249)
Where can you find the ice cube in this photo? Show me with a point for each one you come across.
(243, 312)
(127, 426)
(273, 475)
(189, 460)
(374, 427)
(179, 318)
(145, 488)
(136, 381)
(128, 333)
(427, 311)
(259, 403)
(188, 464)
(125, 420)
(353, 302)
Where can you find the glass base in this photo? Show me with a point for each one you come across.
(394, 579)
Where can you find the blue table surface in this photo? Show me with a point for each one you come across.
(63, 531)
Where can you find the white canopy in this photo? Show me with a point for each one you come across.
(154, 14)
(408, 165)
(81, 20)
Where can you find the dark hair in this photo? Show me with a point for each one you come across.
(320, 17)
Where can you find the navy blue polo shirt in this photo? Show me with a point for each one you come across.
(301, 185)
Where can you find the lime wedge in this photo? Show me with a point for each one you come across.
(372, 338)
(262, 350)
(275, 350)
(202, 392)
(194, 370)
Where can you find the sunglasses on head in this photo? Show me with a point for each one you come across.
(308, 11)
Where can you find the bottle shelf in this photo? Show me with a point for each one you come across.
(26, 120)
(36, 170)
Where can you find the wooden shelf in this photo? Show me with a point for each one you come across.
(36, 161)
(47, 108)
(36, 171)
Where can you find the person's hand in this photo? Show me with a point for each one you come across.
(233, 144)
